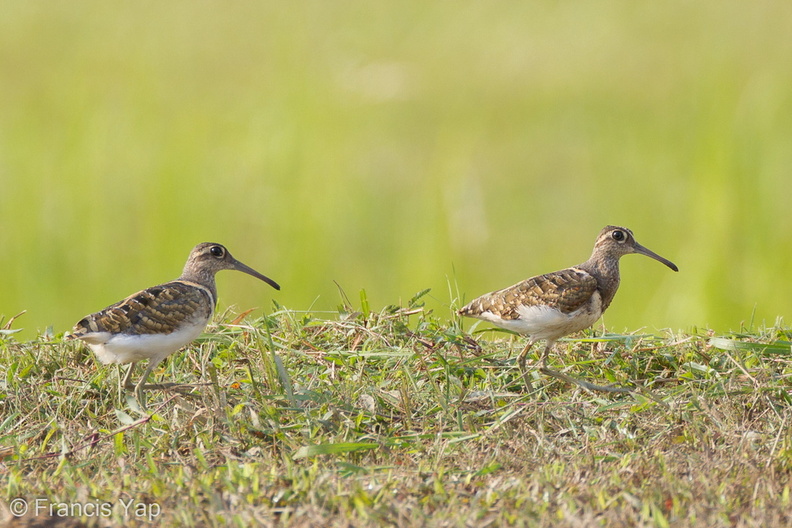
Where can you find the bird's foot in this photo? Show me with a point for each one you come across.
(582, 383)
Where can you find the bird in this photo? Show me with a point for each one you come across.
(156, 322)
(550, 306)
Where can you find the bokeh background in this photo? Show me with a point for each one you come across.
(396, 146)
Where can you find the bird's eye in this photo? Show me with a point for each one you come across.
(217, 251)
(618, 235)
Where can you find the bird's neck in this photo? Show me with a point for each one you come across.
(606, 271)
(203, 277)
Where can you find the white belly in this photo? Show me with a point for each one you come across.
(543, 322)
(123, 348)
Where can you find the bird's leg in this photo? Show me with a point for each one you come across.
(521, 362)
(127, 382)
(141, 385)
(545, 353)
(120, 385)
(548, 345)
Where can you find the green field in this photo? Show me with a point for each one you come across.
(398, 418)
(394, 147)
(369, 151)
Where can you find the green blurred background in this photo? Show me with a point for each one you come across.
(396, 146)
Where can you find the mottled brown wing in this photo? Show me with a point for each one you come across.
(566, 290)
(159, 309)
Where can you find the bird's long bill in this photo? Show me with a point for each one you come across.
(649, 253)
(250, 271)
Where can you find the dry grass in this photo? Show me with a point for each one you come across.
(398, 418)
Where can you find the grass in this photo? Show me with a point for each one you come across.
(384, 145)
(366, 417)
